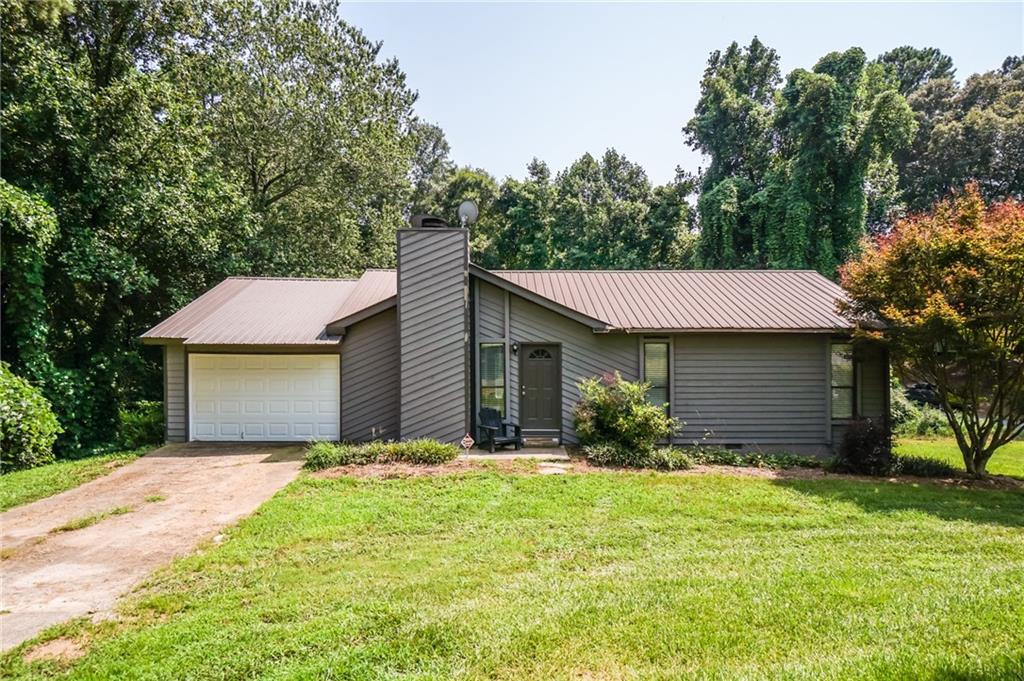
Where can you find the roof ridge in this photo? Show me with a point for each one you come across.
(250, 278)
(656, 271)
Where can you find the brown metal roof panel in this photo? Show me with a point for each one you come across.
(693, 299)
(253, 311)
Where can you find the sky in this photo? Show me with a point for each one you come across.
(511, 81)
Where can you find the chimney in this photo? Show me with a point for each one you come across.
(433, 330)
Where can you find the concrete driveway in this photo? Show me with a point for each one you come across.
(51, 575)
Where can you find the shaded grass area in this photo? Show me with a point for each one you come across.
(602, 575)
(1008, 459)
(22, 487)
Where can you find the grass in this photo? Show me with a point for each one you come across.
(587, 576)
(22, 487)
(153, 498)
(1008, 459)
(92, 519)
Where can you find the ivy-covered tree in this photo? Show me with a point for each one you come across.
(947, 285)
(833, 123)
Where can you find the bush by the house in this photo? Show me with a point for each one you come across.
(141, 425)
(619, 456)
(424, 451)
(615, 412)
(923, 467)
(28, 427)
(866, 448)
(682, 458)
(720, 456)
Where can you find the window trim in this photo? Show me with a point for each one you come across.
(853, 386)
(663, 340)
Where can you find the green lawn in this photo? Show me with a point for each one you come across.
(1008, 459)
(21, 487)
(587, 576)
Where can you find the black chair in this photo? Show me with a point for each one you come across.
(494, 431)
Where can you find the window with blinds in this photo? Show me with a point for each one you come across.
(842, 381)
(656, 371)
(492, 376)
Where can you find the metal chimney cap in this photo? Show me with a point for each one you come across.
(428, 222)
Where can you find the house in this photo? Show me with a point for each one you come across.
(746, 359)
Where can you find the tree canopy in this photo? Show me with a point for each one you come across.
(947, 287)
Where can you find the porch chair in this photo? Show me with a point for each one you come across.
(494, 431)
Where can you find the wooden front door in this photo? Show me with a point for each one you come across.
(540, 393)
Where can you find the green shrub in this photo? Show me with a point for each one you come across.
(866, 448)
(670, 459)
(902, 410)
(613, 454)
(931, 421)
(142, 425)
(613, 411)
(720, 456)
(321, 455)
(924, 467)
(423, 451)
(28, 427)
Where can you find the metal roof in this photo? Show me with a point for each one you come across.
(258, 311)
(269, 311)
(374, 288)
(692, 300)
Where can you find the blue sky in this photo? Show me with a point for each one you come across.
(510, 81)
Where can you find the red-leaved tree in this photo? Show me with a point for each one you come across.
(949, 288)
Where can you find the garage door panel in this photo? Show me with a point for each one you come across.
(264, 397)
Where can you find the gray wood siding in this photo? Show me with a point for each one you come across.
(175, 398)
(584, 354)
(433, 295)
(491, 311)
(750, 389)
(369, 379)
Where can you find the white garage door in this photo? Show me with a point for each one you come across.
(264, 397)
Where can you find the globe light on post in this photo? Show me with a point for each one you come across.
(468, 213)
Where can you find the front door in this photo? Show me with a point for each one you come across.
(540, 390)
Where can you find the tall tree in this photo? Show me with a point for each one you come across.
(968, 133)
(948, 286)
(432, 168)
(523, 240)
(600, 214)
(314, 127)
(833, 122)
(94, 125)
(913, 66)
(733, 126)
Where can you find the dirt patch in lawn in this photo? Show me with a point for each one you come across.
(62, 650)
(580, 465)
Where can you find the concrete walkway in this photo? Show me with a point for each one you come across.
(50, 575)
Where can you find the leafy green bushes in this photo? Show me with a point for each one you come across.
(424, 451)
(28, 427)
(142, 425)
(866, 448)
(924, 467)
(682, 458)
(614, 414)
(911, 419)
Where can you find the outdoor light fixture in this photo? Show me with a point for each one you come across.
(515, 348)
